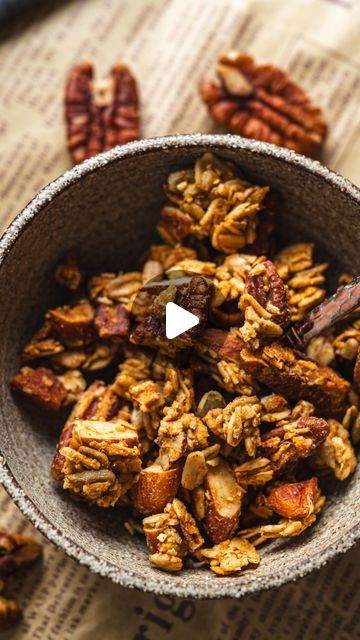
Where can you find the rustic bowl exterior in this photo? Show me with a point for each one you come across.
(106, 209)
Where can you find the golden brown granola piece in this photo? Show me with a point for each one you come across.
(191, 266)
(238, 422)
(230, 556)
(255, 472)
(293, 440)
(169, 256)
(336, 453)
(285, 528)
(122, 288)
(155, 487)
(74, 325)
(93, 403)
(179, 433)
(223, 500)
(274, 408)
(226, 374)
(231, 275)
(68, 274)
(171, 535)
(212, 200)
(264, 304)
(101, 460)
(261, 102)
(294, 500)
(42, 387)
(74, 383)
(112, 322)
(304, 279)
(43, 345)
(89, 358)
(100, 117)
(16, 551)
(347, 340)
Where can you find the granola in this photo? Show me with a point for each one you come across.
(216, 438)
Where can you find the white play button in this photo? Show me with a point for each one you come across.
(178, 320)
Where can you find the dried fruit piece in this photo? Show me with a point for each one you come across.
(41, 386)
(112, 322)
(294, 440)
(294, 500)
(171, 535)
(261, 102)
(101, 116)
(264, 304)
(230, 556)
(223, 498)
(154, 488)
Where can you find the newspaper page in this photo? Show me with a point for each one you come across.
(171, 45)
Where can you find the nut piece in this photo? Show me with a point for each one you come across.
(285, 371)
(255, 472)
(261, 102)
(223, 498)
(42, 387)
(16, 551)
(230, 556)
(195, 467)
(264, 304)
(154, 488)
(294, 440)
(99, 118)
(294, 500)
(171, 535)
(112, 322)
(211, 200)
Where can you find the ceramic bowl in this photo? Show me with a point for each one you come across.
(106, 209)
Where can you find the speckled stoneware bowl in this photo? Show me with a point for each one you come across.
(107, 208)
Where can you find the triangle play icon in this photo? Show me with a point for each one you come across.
(178, 320)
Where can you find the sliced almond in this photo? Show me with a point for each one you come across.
(155, 488)
(223, 502)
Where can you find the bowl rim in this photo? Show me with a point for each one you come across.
(127, 578)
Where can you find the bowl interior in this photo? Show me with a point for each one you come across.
(107, 212)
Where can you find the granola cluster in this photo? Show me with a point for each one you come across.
(222, 437)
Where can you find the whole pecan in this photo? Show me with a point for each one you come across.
(261, 102)
(100, 117)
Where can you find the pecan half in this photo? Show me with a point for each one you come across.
(264, 304)
(100, 117)
(261, 102)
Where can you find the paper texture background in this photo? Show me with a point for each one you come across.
(171, 45)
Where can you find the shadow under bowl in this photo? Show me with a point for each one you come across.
(107, 209)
